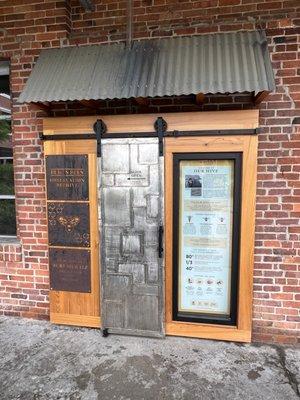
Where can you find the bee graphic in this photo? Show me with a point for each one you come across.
(69, 222)
(53, 211)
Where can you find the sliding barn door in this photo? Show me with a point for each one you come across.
(73, 238)
(132, 258)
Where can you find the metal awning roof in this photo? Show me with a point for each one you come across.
(214, 63)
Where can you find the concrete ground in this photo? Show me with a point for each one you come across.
(39, 361)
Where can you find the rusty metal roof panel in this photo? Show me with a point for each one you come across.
(214, 63)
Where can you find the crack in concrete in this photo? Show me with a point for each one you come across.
(291, 377)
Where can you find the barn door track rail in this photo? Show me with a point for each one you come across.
(160, 128)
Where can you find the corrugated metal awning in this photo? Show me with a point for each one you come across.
(215, 63)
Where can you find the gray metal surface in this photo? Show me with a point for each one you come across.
(215, 63)
(131, 212)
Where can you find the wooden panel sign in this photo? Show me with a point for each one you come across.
(70, 270)
(72, 211)
(67, 177)
(68, 224)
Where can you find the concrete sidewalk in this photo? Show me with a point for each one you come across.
(39, 361)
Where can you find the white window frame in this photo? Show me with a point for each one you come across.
(7, 197)
(3, 160)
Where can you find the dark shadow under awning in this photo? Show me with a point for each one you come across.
(215, 63)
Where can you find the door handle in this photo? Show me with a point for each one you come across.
(160, 241)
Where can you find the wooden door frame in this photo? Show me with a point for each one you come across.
(187, 121)
(247, 145)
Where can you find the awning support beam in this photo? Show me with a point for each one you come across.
(200, 98)
(261, 96)
(142, 101)
(90, 104)
(43, 106)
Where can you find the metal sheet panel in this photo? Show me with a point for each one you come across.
(131, 214)
(67, 177)
(69, 224)
(214, 63)
(70, 270)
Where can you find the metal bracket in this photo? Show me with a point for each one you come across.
(160, 125)
(160, 241)
(99, 129)
(104, 332)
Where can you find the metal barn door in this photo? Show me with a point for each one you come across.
(130, 178)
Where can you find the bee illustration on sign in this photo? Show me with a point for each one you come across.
(69, 222)
(53, 211)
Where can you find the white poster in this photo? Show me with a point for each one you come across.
(205, 236)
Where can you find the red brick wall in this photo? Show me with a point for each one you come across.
(5, 104)
(27, 27)
(277, 246)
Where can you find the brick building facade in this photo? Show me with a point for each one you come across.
(27, 27)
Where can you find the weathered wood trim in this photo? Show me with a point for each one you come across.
(189, 121)
(76, 320)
